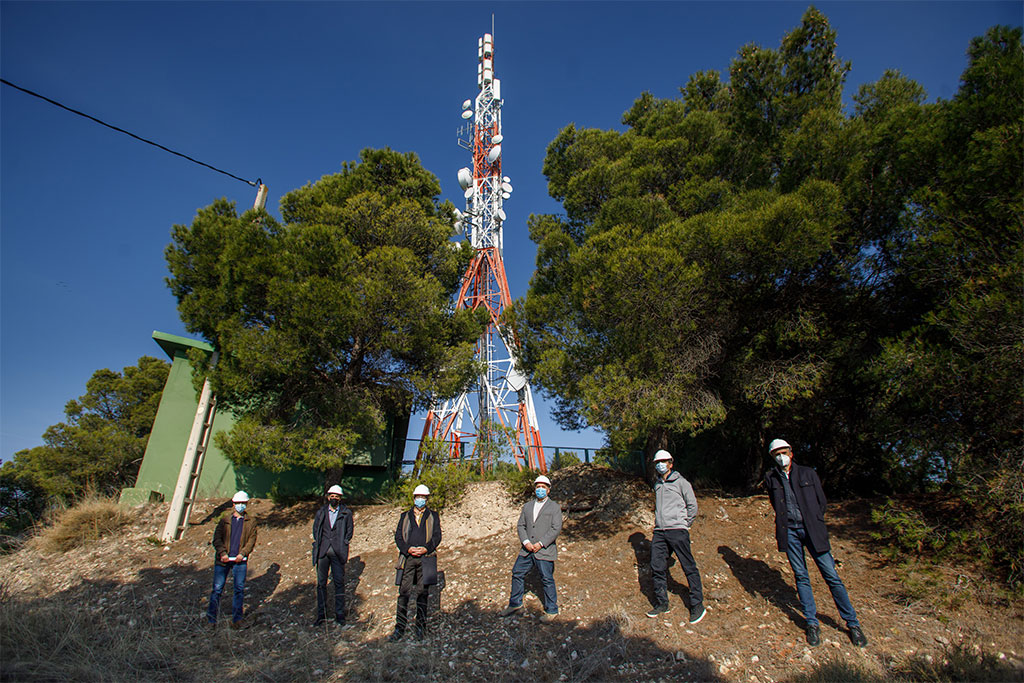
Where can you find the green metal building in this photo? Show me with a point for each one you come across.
(367, 472)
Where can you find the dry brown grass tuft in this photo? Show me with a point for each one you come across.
(49, 640)
(87, 520)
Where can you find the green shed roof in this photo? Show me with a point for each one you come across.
(172, 342)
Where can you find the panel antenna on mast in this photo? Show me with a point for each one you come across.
(496, 414)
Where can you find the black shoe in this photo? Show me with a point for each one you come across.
(857, 637)
(319, 622)
(813, 636)
(697, 612)
(660, 608)
(395, 636)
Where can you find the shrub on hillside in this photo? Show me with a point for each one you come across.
(88, 520)
(986, 527)
(447, 484)
(518, 482)
(566, 459)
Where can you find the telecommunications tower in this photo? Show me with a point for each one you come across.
(503, 418)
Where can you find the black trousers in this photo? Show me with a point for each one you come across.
(331, 561)
(412, 582)
(674, 541)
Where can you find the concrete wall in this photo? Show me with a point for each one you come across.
(368, 471)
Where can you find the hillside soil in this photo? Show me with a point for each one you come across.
(132, 584)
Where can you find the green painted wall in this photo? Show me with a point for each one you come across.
(369, 470)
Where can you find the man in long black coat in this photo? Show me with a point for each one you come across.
(417, 536)
(799, 502)
(332, 532)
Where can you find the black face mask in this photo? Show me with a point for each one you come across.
(334, 502)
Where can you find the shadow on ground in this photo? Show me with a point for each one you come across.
(759, 579)
(152, 628)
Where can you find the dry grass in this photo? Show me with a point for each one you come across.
(837, 670)
(87, 520)
(959, 662)
(53, 641)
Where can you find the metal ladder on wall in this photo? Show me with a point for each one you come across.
(191, 465)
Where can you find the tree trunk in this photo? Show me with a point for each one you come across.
(754, 465)
(656, 440)
(332, 476)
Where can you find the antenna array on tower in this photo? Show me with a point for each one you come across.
(503, 419)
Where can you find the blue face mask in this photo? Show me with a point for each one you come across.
(662, 467)
(541, 492)
(419, 502)
(239, 508)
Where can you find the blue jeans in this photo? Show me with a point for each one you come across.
(220, 576)
(522, 567)
(827, 567)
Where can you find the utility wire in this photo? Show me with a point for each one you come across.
(255, 183)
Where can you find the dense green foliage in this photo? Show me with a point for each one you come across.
(335, 318)
(97, 450)
(752, 261)
(447, 484)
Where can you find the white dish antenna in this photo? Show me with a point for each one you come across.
(497, 139)
(506, 187)
(465, 178)
(505, 195)
(515, 380)
(493, 155)
(467, 104)
(468, 114)
(468, 193)
(501, 214)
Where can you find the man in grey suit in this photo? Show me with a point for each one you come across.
(539, 525)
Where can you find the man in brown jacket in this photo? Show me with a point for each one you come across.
(233, 541)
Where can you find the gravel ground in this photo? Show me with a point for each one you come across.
(753, 630)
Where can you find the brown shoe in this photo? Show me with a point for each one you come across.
(548, 617)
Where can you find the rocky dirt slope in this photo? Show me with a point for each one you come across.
(148, 598)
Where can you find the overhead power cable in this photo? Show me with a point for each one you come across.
(255, 183)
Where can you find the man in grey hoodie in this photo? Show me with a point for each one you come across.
(674, 511)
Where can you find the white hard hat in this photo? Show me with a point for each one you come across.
(776, 444)
(240, 497)
(421, 490)
(662, 455)
(542, 480)
(334, 489)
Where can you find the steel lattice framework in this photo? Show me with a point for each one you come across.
(504, 413)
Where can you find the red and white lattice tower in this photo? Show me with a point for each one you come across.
(504, 412)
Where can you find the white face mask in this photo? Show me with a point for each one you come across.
(661, 466)
(240, 507)
(782, 459)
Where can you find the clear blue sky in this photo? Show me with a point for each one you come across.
(286, 92)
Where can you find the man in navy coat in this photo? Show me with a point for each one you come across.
(799, 502)
(540, 522)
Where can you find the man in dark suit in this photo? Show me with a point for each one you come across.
(332, 531)
(417, 536)
(799, 501)
(539, 525)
